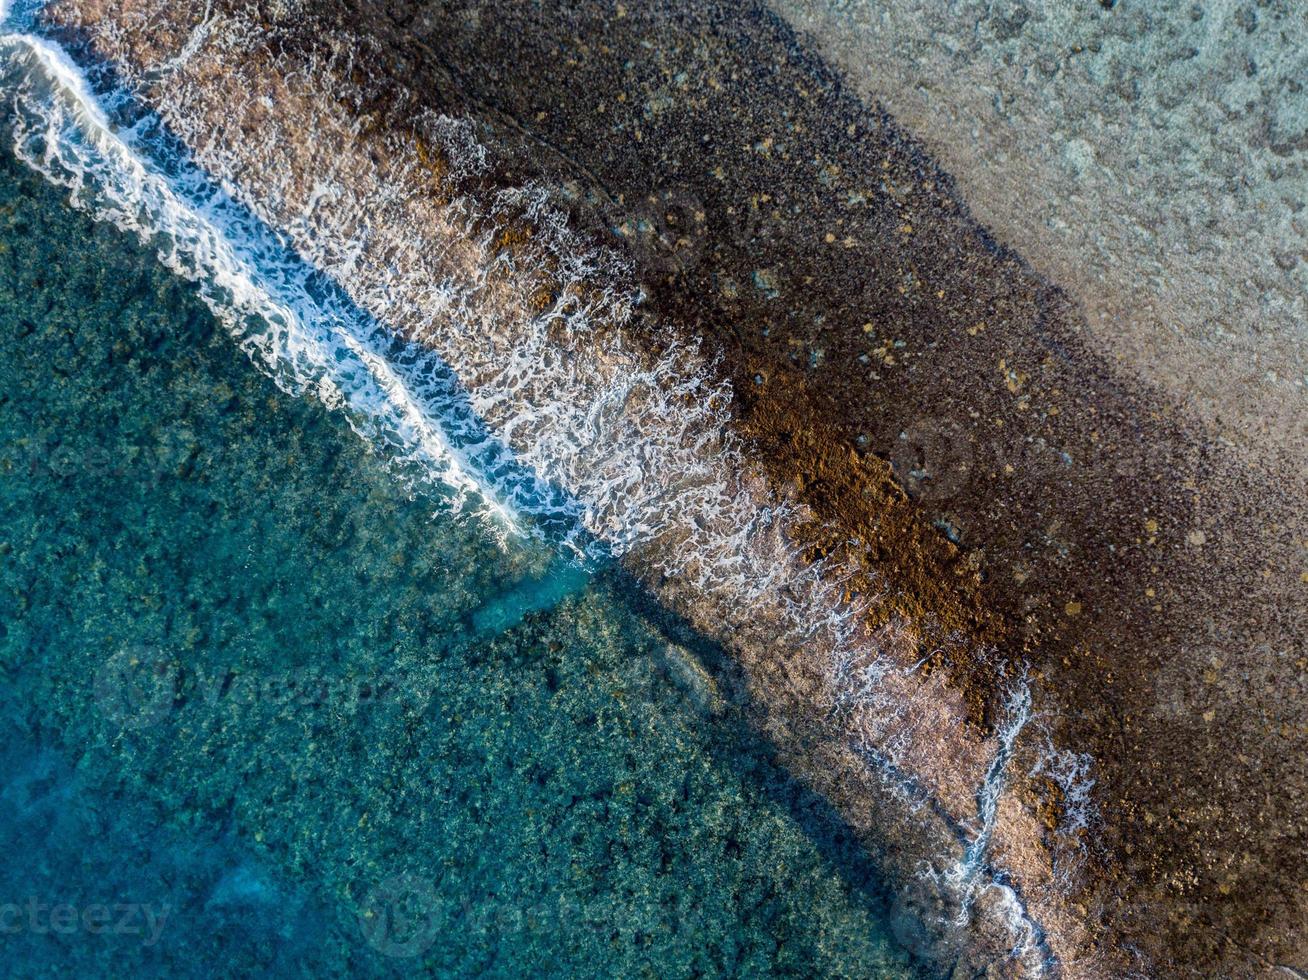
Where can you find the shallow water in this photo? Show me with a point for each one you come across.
(269, 711)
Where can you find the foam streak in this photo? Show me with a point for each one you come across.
(301, 331)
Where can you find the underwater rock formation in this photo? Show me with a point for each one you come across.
(744, 337)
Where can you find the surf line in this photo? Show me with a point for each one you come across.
(302, 348)
(293, 321)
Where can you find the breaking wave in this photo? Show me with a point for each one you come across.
(490, 353)
(289, 318)
(633, 449)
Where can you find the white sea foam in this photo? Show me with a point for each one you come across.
(307, 337)
(558, 419)
(1071, 772)
(19, 15)
(1018, 709)
(639, 443)
(973, 881)
(608, 449)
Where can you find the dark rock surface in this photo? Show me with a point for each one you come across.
(933, 397)
(1154, 579)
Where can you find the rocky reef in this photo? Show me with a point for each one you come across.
(1029, 620)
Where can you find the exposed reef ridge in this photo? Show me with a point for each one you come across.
(953, 671)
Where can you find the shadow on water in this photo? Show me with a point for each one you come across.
(735, 739)
(737, 742)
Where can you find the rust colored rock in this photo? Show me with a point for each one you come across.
(1020, 507)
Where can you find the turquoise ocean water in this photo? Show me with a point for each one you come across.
(262, 709)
